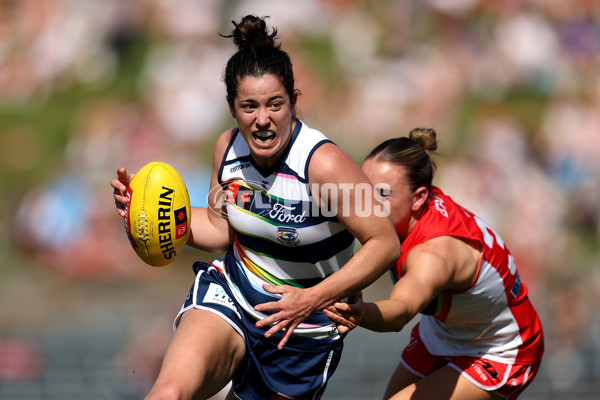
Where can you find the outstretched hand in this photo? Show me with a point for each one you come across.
(294, 307)
(120, 185)
(346, 316)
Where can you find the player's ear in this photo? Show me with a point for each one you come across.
(231, 108)
(293, 101)
(419, 198)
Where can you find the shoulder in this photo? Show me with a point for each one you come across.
(441, 246)
(328, 155)
(453, 259)
(222, 144)
(433, 257)
(224, 139)
(329, 161)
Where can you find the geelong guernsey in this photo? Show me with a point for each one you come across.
(493, 318)
(281, 237)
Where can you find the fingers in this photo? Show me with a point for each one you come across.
(344, 307)
(120, 203)
(334, 316)
(287, 332)
(343, 325)
(340, 314)
(122, 174)
(120, 190)
(271, 319)
(275, 328)
(270, 306)
(343, 329)
(275, 289)
(122, 182)
(286, 336)
(289, 311)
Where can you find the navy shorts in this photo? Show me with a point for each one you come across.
(299, 371)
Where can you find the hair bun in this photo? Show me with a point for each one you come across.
(252, 31)
(425, 137)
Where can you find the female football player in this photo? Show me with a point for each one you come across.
(479, 337)
(283, 204)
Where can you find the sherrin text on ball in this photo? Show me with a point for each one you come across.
(158, 214)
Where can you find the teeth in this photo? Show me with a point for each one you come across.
(264, 134)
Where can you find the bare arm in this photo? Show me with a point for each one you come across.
(441, 263)
(210, 229)
(380, 245)
(372, 228)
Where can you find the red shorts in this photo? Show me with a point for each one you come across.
(506, 380)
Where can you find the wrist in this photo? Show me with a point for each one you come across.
(318, 297)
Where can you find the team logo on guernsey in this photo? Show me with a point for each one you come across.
(288, 236)
(440, 206)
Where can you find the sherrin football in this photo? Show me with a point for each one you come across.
(158, 214)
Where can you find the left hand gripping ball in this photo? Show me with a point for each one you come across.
(158, 215)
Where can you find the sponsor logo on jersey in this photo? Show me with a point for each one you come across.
(287, 214)
(288, 236)
(217, 295)
(240, 167)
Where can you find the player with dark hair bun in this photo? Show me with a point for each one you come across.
(479, 336)
(283, 207)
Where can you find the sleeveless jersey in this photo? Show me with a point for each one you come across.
(493, 318)
(281, 237)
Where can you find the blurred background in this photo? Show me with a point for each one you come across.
(512, 88)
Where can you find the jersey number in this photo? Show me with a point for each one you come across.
(489, 235)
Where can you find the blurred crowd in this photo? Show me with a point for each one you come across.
(512, 88)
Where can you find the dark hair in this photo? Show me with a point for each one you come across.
(413, 153)
(257, 55)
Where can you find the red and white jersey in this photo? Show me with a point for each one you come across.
(493, 318)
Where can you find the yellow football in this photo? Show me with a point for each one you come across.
(158, 214)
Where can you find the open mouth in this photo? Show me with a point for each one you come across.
(264, 136)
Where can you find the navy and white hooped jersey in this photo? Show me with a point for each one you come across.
(281, 236)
